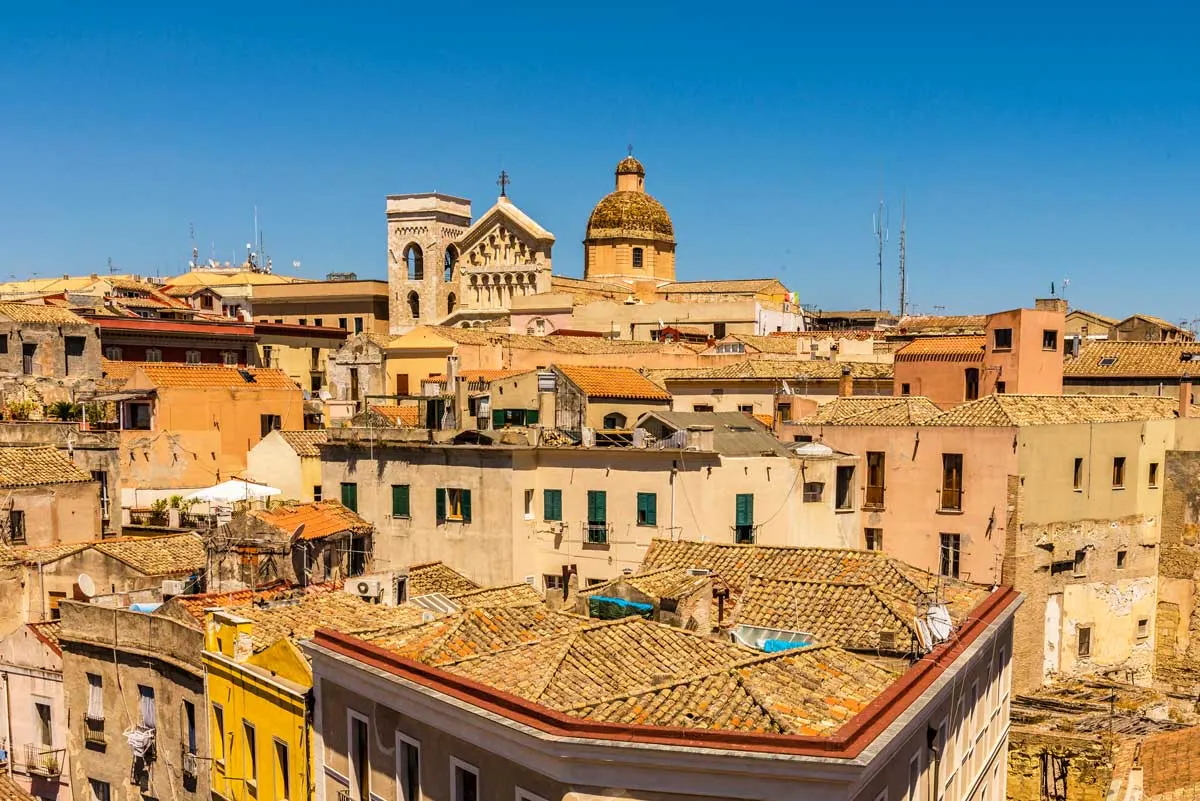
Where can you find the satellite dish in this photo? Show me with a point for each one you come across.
(295, 535)
(87, 587)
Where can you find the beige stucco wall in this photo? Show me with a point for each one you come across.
(272, 461)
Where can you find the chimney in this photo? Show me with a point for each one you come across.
(846, 383)
(1185, 395)
(1050, 304)
(700, 438)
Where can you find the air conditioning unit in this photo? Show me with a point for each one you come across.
(365, 588)
(172, 587)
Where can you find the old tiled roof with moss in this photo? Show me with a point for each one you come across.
(47, 631)
(630, 166)
(1029, 410)
(297, 619)
(40, 554)
(194, 606)
(636, 671)
(320, 519)
(22, 466)
(943, 348)
(729, 285)
(941, 324)
(667, 582)
(875, 411)
(430, 577)
(37, 313)
(1108, 359)
(173, 555)
(211, 376)
(776, 370)
(518, 594)
(305, 443)
(622, 383)
(11, 791)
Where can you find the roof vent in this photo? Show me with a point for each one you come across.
(699, 571)
(247, 376)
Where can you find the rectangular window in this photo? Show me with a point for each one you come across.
(1122, 555)
(342, 324)
(464, 781)
(408, 769)
(702, 407)
(318, 322)
(1077, 474)
(358, 325)
(528, 504)
(112, 353)
(637, 258)
(55, 599)
(743, 517)
(400, 500)
(100, 790)
(1118, 472)
(951, 544)
(45, 727)
(552, 505)
(784, 412)
(95, 707)
(597, 516)
(316, 492)
(193, 356)
(350, 495)
(874, 539)
(251, 751)
(359, 753)
(16, 527)
(914, 779)
(844, 498)
(303, 321)
(153, 354)
(218, 735)
(453, 505)
(283, 770)
(875, 470)
(1143, 628)
(268, 423)
(1079, 565)
(746, 408)
(189, 726)
(906, 389)
(552, 581)
(1001, 387)
(1084, 645)
(1049, 339)
(3, 343)
(952, 481)
(813, 491)
(149, 714)
(1002, 339)
(28, 351)
(1153, 482)
(647, 509)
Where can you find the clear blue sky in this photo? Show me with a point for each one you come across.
(1032, 145)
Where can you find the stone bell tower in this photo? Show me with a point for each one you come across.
(423, 268)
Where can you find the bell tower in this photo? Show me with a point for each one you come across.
(423, 269)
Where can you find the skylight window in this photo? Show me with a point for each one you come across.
(1189, 357)
(1108, 361)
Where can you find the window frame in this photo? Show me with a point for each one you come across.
(876, 493)
(352, 716)
(521, 794)
(1082, 633)
(284, 770)
(250, 755)
(1142, 628)
(218, 717)
(1152, 476)
(456, 765)
(547, 508)
(873, 538)
(996, 339)
(950, 554)
(401, 766)
(843, 494)
(647, 509)
(1050, 335)
(401, 511)
(812, 491)
(1118, 476)
(950, 499)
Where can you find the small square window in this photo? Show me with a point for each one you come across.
(1002, 339)
(1122, 555)
(906, 389)
(1143, 628)
(1084, 641)
(1049, 340)
(874, 539)
(813, 491)
(1078, 473)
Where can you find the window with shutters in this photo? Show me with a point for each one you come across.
(875, 471)
(597, 517)
(350, 495)
(647, 509)
(743, 518)
(453, 505)
(952, 482)
(844, 497)
(552, 505)
(951, 551)
(400, 500)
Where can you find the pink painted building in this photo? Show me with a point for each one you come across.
(33, 715)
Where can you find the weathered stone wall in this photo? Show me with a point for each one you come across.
(1179, 568)
(1089, 763)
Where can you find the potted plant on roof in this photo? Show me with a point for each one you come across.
(158, 512)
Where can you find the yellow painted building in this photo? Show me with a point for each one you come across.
(259, 687)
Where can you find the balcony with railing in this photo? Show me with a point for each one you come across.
(596, 532)
(93, 732)
(148, 517)
(745, 534)
(43, 761)
(343, 795)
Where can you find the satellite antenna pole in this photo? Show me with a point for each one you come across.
(880, 238)
(903, 273)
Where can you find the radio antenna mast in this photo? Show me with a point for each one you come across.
(903, 273)
(881, 236)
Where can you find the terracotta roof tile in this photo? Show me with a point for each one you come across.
(1107, 359)
(40, 554)
(297, 619)
(400, 416)
(210, 376)
(1026, 410)
(739, 285)
(941, 324)
(776, 370)
(943, 348)
(11, 791)
(556, 343)
(881, 411)
(48, 631)
(613, 382)
(430, 577)
(519, 594)
(305, 443)
(320, 519)
(194, 605)
(118, 371)
(666, 582)
(36, 313)
(175, 555)
(1149, 318)
(477, 630)
(22, 466)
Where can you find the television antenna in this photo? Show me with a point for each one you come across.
(903, 271)
(881, 238)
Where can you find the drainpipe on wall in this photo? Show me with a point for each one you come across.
(1185, 396)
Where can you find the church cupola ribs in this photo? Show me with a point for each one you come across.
(629, 234)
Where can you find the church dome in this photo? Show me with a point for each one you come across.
(630, 213)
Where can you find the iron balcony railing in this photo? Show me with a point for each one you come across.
(93, 731)
(596, 532)
(43, 761)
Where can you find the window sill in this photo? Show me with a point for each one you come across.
(867, 507)
(402, 517)
(949, 511)
(1002, 350)
(647, 525)
(1077, 489)
(595, 546)
(1118, 488)
(843, 510)
(529, 517)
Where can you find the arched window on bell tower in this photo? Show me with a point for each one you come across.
(415, 261)
(414, 305)
(451, 260)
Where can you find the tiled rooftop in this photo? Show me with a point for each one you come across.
(880, 411)
(476, 631)
(22, 466)
(305, 443)
(40, 554)
(941, 324)
(765, 344)
(429, 577)
(321, 519)
(211, 376)
(519, 594)
(37, 313)
(943, 348)
(119, 372)
(402, 416)
(555, 343)
(796, 370)
(1171, 766)
(666, 582)
(623, 383)
(194, 605)
(174, 555)
(11, 791)
(729, 285)
(1105, 359)
(47, 631)
(297, 619)
(1026, 410)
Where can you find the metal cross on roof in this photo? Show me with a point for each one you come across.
(503, 181)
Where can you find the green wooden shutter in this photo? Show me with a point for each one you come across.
(597, 506)
(440, 503)
(466, 505)
(400, 500)
(497, 418)
(647, 508)
(745, 509)
(531, 417)
(552, 504)
(350, 496)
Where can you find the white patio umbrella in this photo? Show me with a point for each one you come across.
(232, 491)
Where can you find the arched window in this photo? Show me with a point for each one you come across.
(414, 305)
(972, 392)
(415, 262)
(451, 302)
(450, 260)
(614, 420)
(637, 258)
